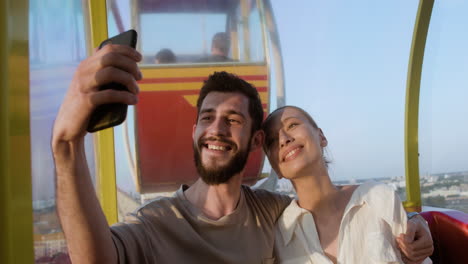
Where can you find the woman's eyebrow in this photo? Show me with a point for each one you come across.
(284, 121)
(290, 117)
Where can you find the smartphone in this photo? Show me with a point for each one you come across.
(109, 115)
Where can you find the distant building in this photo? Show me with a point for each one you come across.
(432, 178)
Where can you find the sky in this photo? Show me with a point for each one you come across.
(346, 63)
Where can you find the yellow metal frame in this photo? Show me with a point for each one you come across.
(16, 218)
(104, 140)
(234, 40)
(413, 191)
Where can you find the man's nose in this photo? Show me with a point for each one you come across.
(285, 138)
(218, 128)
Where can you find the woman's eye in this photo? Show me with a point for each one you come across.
(292, 125)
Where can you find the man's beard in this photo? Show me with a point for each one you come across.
(220, 174)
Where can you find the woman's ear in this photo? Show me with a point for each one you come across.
(323, 139)
(257, 140)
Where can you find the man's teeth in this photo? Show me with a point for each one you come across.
(215, 147)
(291, 153)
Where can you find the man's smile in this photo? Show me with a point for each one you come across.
(217, 144)
(217, 147)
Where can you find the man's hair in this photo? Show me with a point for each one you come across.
(221, 42)
(229, 83)
(165, 56)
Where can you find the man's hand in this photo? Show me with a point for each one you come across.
(417, 243)
(112, 63)
(88, 236)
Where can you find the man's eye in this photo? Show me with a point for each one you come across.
(233, 121)
(205, 118)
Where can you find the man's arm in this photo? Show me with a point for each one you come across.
(416, 244)
(84, 224)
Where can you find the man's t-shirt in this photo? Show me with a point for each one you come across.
(172, 230)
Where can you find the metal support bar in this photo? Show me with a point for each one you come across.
(245, 14)
(16, 217)
(104, 140)
(413, 83)
(276, 55)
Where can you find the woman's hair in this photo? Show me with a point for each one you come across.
(268, 121)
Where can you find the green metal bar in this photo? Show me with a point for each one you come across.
(16, 218)
(104, 140)
(413, 84)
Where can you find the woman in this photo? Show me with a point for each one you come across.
(328, 223)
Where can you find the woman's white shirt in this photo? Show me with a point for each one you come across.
(373, 218)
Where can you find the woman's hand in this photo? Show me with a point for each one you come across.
(416, 244)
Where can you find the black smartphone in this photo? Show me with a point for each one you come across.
(109, 115)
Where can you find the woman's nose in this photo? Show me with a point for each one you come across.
(285, 138)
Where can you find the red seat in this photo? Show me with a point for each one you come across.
(449, 231)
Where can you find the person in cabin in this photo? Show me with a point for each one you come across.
(215, 220)
(220, 45)
(165, 56)
(329, 223)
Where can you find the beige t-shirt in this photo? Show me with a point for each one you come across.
(172, 230)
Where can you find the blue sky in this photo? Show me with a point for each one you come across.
(346, 63)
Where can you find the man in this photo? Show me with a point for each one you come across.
(165, 56)
(220, 45)
(216, 220)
